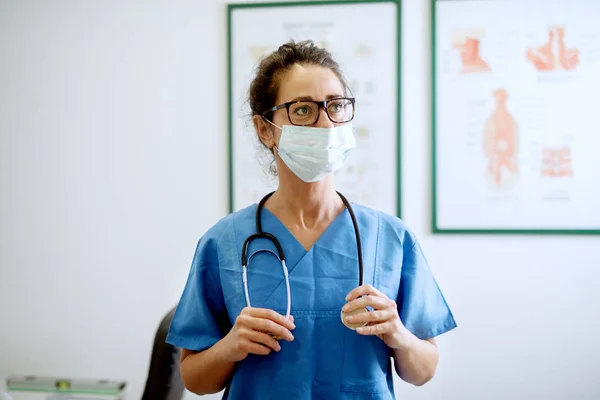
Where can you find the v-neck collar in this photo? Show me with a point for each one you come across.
(292, 248)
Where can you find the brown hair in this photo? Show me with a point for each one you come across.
(265, 86)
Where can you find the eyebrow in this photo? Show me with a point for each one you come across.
(329, 97)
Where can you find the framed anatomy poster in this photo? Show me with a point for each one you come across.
(364, 38)
(515, 110)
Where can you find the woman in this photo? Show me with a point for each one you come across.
(329, 348)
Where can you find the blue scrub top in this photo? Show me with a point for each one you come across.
(326, 360)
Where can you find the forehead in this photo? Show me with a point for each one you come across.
(309, 81)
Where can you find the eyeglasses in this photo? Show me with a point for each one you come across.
(306, 112)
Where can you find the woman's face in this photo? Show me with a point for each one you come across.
(304, 82)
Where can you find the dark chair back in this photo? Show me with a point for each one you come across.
(164, 380)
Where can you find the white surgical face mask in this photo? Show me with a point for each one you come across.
(313, 153)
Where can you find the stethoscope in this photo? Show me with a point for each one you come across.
(260, 234)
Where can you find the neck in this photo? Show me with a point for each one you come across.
(305, 204)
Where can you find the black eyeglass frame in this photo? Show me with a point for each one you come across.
(320, 104)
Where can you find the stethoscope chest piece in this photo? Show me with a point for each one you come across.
(354, 325)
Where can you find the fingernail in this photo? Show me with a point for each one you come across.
(348, 297)
(350, 318)
(278, 348)
(345, 308)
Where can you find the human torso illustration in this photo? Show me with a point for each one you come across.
(500, 143)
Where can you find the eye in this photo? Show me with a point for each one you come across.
(338, 106)
(302, 110)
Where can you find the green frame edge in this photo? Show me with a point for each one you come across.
(434, 227)
(233, 6)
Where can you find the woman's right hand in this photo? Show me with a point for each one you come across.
(253, 333)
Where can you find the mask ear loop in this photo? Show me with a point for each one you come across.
(276, 126)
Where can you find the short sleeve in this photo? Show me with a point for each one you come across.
(200, 319)
(422, 307)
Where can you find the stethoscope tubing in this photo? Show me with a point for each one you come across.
(281, 255)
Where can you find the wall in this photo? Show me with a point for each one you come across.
(113, 162)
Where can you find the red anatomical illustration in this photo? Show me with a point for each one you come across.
(500, 143)
(554, 54)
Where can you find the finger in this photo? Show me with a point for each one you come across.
(255, 348)
(263, 339)
(363, 290)
(373, 316)
(378, 303)
(377, 329)
(272, 315)
(266, 325)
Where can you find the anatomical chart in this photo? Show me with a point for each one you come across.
(516, 109)
(363, 38)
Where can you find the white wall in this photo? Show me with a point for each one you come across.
(113, 143)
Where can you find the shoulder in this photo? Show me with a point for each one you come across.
(225, 230)
(393, 227)
(244, 216)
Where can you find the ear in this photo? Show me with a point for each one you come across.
(264, 130)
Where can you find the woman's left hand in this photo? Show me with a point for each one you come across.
(383, 320)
